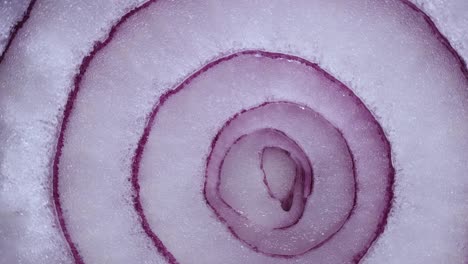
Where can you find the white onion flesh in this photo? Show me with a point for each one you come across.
(169, 144)
(13, 13)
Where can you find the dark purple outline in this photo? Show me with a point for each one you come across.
(66, 116)
(17, 27)
(218, 183)
(138, 154)
(228, 122)
(101, 44)
(440, 37)
(298, 174)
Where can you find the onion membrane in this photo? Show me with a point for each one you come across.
(262, 132)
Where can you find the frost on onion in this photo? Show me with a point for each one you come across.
(237, 132)
(13, 14)
(340, 187)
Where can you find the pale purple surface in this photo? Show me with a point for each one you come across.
(384, 52)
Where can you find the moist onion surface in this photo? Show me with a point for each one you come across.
(13, 14)
(234, 132)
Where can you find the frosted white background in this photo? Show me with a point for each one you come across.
(35, 79)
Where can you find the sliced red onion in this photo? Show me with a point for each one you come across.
(36, 76)
(221, 150)
(318, 225)
(283, 175)
(238, 178)
(243, 201)
(13, 14)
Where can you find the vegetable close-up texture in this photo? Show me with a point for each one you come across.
(246, 131)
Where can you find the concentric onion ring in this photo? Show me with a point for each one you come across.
(352, 169)
(329, 244)
(287, 195)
